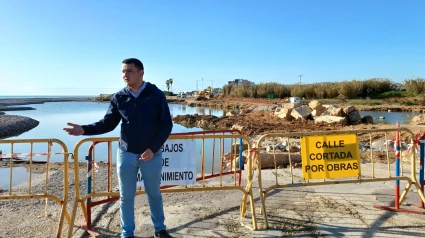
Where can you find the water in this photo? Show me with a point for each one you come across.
(53, 117)
(390, 117)
(19, 175)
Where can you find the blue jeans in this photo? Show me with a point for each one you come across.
(128, 165)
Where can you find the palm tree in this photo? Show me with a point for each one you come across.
(171, 83)
(168, 85)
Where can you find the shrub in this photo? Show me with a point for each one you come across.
(350, 89)
(416, 86)
(375, 86)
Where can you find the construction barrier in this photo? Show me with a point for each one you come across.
(14, 158)
(208, 152)
(333, 157)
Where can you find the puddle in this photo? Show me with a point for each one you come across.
(19, 175)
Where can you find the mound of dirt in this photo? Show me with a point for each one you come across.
(253, 124)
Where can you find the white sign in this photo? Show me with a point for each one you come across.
(178, 163)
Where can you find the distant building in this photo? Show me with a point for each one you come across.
(238, 82)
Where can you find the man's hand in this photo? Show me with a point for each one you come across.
(147, 155)
(76, 130)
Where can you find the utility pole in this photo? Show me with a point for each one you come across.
(300, 77)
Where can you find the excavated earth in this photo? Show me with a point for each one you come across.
(254, 123)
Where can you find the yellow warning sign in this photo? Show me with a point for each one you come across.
(330, 156)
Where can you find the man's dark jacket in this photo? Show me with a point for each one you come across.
(146, 120)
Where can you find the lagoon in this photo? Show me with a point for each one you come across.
(390, 117)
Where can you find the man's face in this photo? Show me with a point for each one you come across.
(132, 76)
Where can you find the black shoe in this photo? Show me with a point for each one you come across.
(162, 234)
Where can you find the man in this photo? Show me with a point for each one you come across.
(146, 125)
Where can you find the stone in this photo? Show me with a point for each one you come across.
(284, 113)
(234, 112)
(349, 109)
(333, 110)
(338, 112)
(290, 105)
(237, 127)
(332, 119)
(367, 120)
(316, 113)
(315, 105)
(302, 112)
(229, 114)
(354, 118)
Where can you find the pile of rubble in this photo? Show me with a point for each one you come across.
(321, 113)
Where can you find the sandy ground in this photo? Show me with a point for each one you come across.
(330, 211)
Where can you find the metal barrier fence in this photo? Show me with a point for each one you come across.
(333, 157)
(14, 157)
(203, 137)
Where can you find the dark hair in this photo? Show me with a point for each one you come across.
(136, 62)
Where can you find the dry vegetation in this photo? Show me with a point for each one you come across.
(374, 88)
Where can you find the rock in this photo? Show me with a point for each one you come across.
(233, 113)
(338, 112)
(268, 159)
(381, 145)
(333, 110)
(302, 112)
(278, 147)
(264, 108)
(2, 113)
(284, 113)
(316, 113)
(290, 105)
(354, 118)
(316, 105)
(332, 119)
(349, 109)
(237, 127)
(367, 120)
(419, 118)
(12, 125)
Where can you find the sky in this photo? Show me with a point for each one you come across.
(76, 47)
